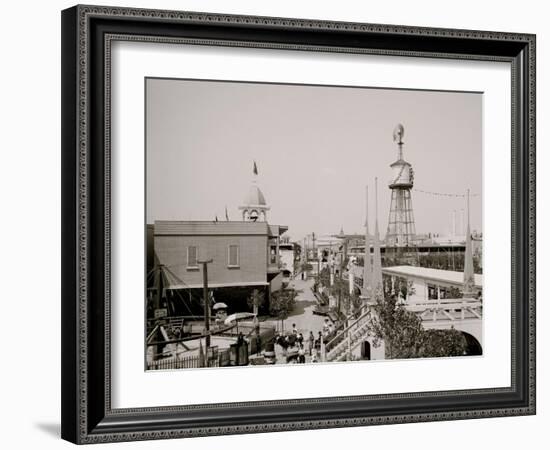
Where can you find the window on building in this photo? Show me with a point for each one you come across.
(192, 256)
(273, 255)
(432, 292)
(233, 256)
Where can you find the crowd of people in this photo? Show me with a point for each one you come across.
(295, 346)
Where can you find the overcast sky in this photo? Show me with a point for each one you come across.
(316, 149)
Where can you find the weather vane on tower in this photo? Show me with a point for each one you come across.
(401, 230)
(398, 133)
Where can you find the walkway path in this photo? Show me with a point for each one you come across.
(302, 316)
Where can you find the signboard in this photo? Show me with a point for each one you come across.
(161, 312)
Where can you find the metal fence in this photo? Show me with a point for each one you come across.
(185, 362)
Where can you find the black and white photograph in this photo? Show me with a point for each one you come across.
(275, 224)
(311, 224)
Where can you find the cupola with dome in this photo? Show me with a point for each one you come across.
(254, 207)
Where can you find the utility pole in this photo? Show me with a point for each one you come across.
(206, 303)
(340, 285)
(158, 285)
(156, 306)
(304, 259)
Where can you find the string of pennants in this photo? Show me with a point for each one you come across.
(442, 194)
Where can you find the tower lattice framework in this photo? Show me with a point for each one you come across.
(401, 229)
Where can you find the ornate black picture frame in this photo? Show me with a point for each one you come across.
(87, 33)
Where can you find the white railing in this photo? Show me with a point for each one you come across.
(448, 309)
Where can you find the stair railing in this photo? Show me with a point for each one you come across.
(342, 335)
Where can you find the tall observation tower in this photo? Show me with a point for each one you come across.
(401, 230)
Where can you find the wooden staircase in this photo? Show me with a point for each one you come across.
(339, 347)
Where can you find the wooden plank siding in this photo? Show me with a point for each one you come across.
(212, 239)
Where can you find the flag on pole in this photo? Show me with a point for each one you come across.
(255, 168)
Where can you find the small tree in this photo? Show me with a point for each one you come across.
(454, 292)
(297, 251)
(439, 343)
(256, 300)
(401, 330)
(339, 290)
(323, 279)
(405, 337)
(353, 303)
(401, 287)
(282, 303)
